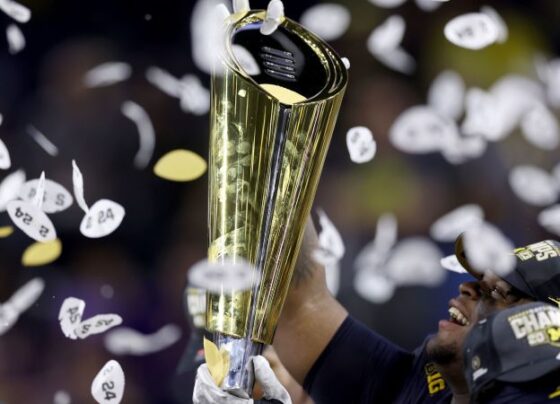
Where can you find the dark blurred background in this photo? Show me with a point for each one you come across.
(164, 232)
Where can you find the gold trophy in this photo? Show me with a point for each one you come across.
(275, 101)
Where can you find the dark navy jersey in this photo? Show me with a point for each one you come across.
(360, 366)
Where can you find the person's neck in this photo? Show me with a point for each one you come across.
(453, 375)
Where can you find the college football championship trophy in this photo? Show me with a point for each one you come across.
(275, 101)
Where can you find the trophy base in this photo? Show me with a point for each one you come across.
(240, 378)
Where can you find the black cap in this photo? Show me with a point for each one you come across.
(536, 273)
(515, 345)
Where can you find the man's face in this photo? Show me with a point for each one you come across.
(476, 300)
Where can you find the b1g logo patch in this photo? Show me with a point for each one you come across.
(540, 251)
(540, 325)
(434, 379)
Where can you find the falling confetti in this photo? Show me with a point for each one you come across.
(146, 132)
(49, 147)
(332, 275)
(533, 185)
(62, 397)
(328, 20)
(56, 198)
(415, 261)
(451, 263)
(70, 316)
(39, 254)
(164, 81)
(102, 219)
(452, 224)
(273, 18)
(241, 6)
(108, 385)
(387, 3)
(107, 74)
(16, 40)
(226, 275)
(6, 231)
(446, 94)
(463, 148)
(376, 252)
(420, 129)
(15, 10)
(246, 60)
(5, 162)
(549, 73)
(78, 184)
(384, 41)
(472, 31)
(19, 302)
(373, 287)
(550, 219)
(540, 127)
(194, 97)
(180, 165)
(503, 31)
(331, 247)
(10, 187)
(97, 324)
(487, 249)
(127, 341)
(428, 5)
(30, 219)
(361, 145)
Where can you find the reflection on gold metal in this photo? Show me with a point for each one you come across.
(267, 148)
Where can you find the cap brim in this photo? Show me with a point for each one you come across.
(462, 258)
(530, 371)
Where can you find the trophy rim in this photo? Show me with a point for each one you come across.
(336, 72)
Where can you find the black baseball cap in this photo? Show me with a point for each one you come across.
(515, 346)
(536, 272)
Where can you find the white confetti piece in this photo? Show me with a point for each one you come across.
(533, 185)
(62, 397)
(387, 3)
(19, 302)
(49, 147)
(387, 36)
(103, 218)
(97, 324)
(331, 247)
(219, 276)
(164, 81)
(56, 198)
(451, 263)
(555, 174)
(146, 132)
(27, 295)
(549, 73)
(10, 187)
(195, 98)
(361, 145)
(127, 341)
(422, 130)
(107, 74)
(550, 219)
(398, 60)
(16, 40)
(40, 192)
(472, 31)
(70, 316)
(540, 127)
(373, 287)
(16, 11)
(483, 116)
(376, 252)
(273, 18)
(332, 275)
(447, 93)
(346, 62)
(428, 5)
(5, 161)
(463, 148)
(78, 185)
(328, 20)
(30, 219)
(503, 31)
(415, 261)
(241, 6)
(246, 60)
(487, 249)
(207, 21)
(451, 225)
(108, 385)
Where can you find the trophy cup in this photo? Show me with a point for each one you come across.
(275, 100)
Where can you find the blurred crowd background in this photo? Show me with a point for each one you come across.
(139, 271)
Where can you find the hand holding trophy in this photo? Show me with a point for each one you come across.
(275, 100)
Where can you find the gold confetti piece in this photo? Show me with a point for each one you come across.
(181, 166)
(6, 231)
(217, 361)
(38, 254)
